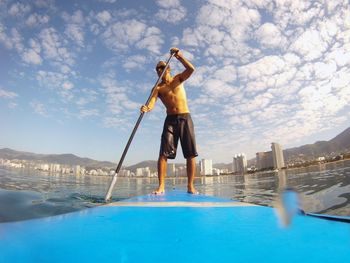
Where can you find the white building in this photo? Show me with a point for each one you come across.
(264, 160)
(216, 171)
(239, 163)
(77, 170)
(171, 169)
(124, 173)
(143, 172)
(181, 171)
(277, 154)
(44, 167)
(206, 167)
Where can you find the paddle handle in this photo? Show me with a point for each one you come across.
(114, 180)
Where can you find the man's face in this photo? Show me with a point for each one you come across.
(160, 67)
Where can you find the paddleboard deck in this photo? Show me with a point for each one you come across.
(174, 227)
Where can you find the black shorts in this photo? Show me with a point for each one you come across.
(178, 126)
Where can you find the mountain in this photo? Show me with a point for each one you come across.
(151, 164)
(340, 143)
(223, 166)
(68, 159)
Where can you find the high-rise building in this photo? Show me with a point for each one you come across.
(77, 169)
(125, 173)
(143, 172)
(240, 163)
(206, 167)
(264, 160)
(171, 169)
(277, 154)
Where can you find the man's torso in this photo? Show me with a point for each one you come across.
(173, 96)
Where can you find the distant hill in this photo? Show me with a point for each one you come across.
(223, 166)
(68, 159)
(340, 143)
(151, 164)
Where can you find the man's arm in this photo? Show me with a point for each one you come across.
(189, 68)
(152, 102)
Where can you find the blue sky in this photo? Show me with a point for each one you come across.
(73, 74)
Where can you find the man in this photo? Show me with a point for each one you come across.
(178, 123)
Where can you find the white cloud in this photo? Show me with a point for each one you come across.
(12, 105)
(67, 85)
(76, 18)
(270, 36)
(75, 27)
(168, 3)
(4, 39)
(296, 13)
(37, 20)
(136, 61)
(324, 70)
(221, 30)
(76, 33)
(199, 76)
(56, 81)
(53, 47)
(117, 97)
(39, 108)
(266, 66)
(17, 9)
(108, 1)
(88, 113)
(218, 89)
(151, 40)
(309, 45)
(31, 57)
(7, 94)
(44, 3)
(103, 17)
(306, 50)
(340, 56)
(226, 73)
(115, 122)
(124, 35)
(86, 96)
(271, 70)
(12, 40)
(171, 11)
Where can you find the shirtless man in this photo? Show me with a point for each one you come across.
(178, 123)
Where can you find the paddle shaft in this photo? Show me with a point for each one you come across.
(114, 180)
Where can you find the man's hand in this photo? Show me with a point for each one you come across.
(144, 109)
(176, 51)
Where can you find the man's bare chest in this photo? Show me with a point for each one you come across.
(169, 90)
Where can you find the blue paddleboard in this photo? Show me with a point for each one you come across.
(174, 227)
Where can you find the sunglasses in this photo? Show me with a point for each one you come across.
(160, 68)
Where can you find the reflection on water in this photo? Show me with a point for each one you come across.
(28, 194)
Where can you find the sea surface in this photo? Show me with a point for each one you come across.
(27, 194)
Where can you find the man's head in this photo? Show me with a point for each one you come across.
(160, 67)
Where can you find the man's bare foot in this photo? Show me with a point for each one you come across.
(159, 191)
(192, 190)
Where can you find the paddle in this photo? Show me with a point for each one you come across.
(114, 180)
(288, 205)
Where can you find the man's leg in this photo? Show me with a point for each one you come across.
(191, 172)
(162, 165)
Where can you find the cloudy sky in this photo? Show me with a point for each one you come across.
(73, 74)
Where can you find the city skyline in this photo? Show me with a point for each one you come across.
(73, 75)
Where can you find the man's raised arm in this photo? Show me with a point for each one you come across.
(189, 68)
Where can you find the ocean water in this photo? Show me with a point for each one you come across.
(27, 194)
